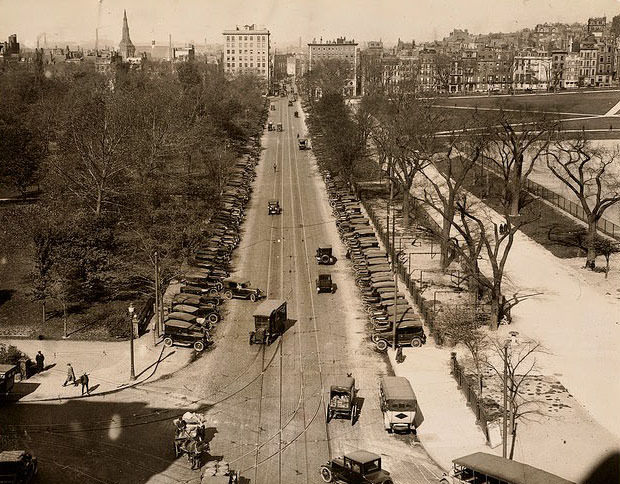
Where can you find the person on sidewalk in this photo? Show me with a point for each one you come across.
(40, 359)
(399, 354)
(70, 376)
(84, 382)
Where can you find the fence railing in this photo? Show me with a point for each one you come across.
(473, 401)
(425, 307)
(563, 203)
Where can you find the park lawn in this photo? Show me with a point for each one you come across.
(21, 316)
(573, 102)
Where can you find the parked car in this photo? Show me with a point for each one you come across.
(273, 207)
(17, 466)
(210, 314)
(359, 466)
(279, 126)
(240, 289)
(303, 144)
(176, 331)
(408, 333)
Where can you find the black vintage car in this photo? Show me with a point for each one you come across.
(324, 284)
(359, 467)
(273, 207)
(176, 331)
(240, 289)
(17, 466)
(324, 255)
(409, 332)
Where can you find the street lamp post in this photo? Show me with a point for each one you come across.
(505, 413)
(132, 375)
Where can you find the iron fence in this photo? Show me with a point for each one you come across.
(473, 401)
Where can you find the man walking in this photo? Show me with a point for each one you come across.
(84, 382)
(70, 376)
(40, 359)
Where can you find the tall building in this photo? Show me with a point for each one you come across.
(126, 48)
(247, 49)
(342, 49)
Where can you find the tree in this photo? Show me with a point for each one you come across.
(517, 140)
(463, 152)
(588, 174)
(328, 76)
(94, 146)
(520, 363)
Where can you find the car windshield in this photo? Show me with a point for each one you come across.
(372, 466)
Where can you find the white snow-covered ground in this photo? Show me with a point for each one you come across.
(576, 317)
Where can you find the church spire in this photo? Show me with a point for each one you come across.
(126, 47)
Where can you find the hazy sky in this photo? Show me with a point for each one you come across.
(195, 20)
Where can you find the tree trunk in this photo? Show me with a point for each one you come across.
(590, 245)
(406, 197)
(99, 199)
(513, 441)
(44, 315)
(445, 236)
(606, 266)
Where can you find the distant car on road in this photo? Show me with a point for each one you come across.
(359, 467)
(324, 284)
(324, 255)
(273, 207)
(303, 144)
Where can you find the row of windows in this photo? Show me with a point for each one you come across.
(245, 64)
(245, 51)
(261, 38)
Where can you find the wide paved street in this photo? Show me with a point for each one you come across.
(265, 404)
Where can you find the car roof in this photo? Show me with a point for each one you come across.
(181, 315)
(177, 323)
(362, 456)
(268, 306)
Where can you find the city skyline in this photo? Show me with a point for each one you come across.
(197, 22)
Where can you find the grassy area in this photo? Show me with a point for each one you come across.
(574, 102)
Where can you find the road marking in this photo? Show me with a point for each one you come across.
(613, 110)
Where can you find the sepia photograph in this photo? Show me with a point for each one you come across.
(304, 241)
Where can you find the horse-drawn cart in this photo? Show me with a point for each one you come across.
(190, 438)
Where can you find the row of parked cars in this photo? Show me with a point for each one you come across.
(373, 273)
(195, 310)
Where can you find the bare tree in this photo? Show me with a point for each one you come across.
(516, 142)
(520, 363)
(588, 173)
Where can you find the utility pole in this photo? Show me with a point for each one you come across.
(132, 375)
(505, 416)
(157, 322)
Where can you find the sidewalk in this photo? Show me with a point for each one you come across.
(106, 363)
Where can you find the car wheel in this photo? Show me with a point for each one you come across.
(213, 291)
(381, 345)
(416, 341)
(168, 342)
(326, 474)
(228, 294)
(199, 346)
(253, 297)
(219, 286)
(214, 318)
(374, 338)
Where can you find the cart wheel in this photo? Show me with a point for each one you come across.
(381, 345)
(168, 342)
(253, 297)
(228, 294)
(199, 346)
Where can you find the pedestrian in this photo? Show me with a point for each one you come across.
(40, 359)
(399, 354)
(70, 376)
(275, 166)
(84, 382)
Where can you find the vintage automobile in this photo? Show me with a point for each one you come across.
(408, 332)
(342, 399)
(359, 466)
(279, 126)
(210, 314)
(17, 466)
(240, 289)
(177, 331)
(273, 107)
(399, 405)
(324, 255)
(303, 144)
(194, 300)
(296, 114)
(269, 321)
(324, 284)
(273, 207)
(270, 126)
(198, 290)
